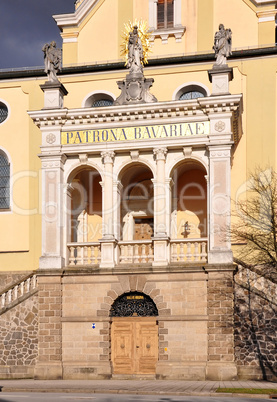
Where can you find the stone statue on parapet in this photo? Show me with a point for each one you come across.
(52, 60)
(135, 52)
(136, 46)
(222, 45)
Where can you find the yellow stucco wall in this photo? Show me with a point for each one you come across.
(99, 40)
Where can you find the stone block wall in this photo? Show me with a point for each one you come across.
(221, 363)
(255, 333)
(19, 340)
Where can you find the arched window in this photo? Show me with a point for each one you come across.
(102, 103)
(191, 95)
(4, 182)
(3, 112)
(100, 99)
(165, 16)
(190, 91)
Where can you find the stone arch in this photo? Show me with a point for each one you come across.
(189, 200)
(78, 168)
(97, 95)
(191, 160)
(134, 283)
(140, 161)
(190, 86)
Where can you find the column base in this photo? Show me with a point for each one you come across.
(221, 371)
(51, 262)
(161, 254)
(108, 252)
(220, 257)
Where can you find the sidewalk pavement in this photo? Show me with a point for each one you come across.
(140, 387)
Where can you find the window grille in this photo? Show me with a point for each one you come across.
(133, 304)
(102, 103)
(3, 112)
(191, 95)
(4, 183)
(165, 14)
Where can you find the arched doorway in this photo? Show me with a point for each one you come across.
(136, 214)
(134, 334)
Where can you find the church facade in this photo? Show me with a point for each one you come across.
(116, 198)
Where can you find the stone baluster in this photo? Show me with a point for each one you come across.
(143, 253)
(136, 254)
(3, 300)
(174, 252)
(189, 254)
(182, 252)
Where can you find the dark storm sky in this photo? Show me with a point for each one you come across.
(25, 26)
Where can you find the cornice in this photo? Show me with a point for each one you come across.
(152, 113)
(75, 19)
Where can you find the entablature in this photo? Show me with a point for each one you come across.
(174, 124)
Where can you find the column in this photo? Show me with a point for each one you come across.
(161, 239)
(108, 240)
(53, 222)
(117, 188)
(219, 205)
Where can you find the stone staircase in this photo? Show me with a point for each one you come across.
(18, 292)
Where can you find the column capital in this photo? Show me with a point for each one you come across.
(107, 157)
(220, 152)
(159, 153)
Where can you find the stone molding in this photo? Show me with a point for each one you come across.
(169, 112)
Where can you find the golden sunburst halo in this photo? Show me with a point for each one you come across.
(144, 35)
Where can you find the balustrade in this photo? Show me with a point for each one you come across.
(84, 254)
(18, 290)
(189, 250)
(136, 252)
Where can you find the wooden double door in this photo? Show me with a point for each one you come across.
(134, 345)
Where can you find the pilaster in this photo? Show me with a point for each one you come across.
(108, 242)
(53, 222)
(219, 205)
(161, 239)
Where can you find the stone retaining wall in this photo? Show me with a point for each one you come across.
(255, 335)
(19, 340)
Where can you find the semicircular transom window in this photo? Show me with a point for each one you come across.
(3, 112)
(134, 304)
(102, 103)
(191, 95)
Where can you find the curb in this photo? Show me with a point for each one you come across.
(132, 392)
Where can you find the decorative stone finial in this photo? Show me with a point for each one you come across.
(52, 60)
(222, 45)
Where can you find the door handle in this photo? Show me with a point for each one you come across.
(137, 347)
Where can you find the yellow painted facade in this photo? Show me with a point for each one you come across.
(96, 38)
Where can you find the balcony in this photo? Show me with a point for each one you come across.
(185, 251)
